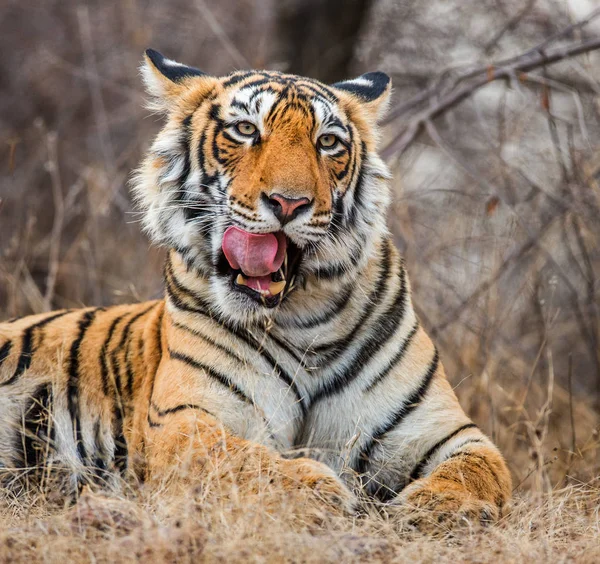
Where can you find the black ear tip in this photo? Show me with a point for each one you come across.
(154, 56)
(379, 79)
(172, 70)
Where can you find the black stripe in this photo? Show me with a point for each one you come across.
(100, 454)
(288, 349)
(382, 331)
(221, 378)
(281, 373)
(153, 424)
(209, 340)
(334, 310)
(279, 106)
(339, 269)
(125, 335)
(395, 359)
(334, 121)
(262, 351)
(37, 433)
(28, 347)
(337, 214)
(164, 412)
(359, 187)
(352, 160)
(407, 407)
(104, 354)
(232, 139)
(73, 383)
(318, 90)
(126, 339)
(241, 105)
(238, 77)
(196, 209)
(5, 351)
(174, 285)
(121, 448)
(334, 349)
(159, 334)
(178, 408)
(178, 302)
(418, 469)
(182, 196)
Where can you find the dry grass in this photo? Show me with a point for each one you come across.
(216, 525)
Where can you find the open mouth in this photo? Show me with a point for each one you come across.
(261, 265)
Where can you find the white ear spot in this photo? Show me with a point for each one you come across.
(361, 81)
(171, 63)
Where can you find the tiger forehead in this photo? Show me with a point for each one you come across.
(272, 97)
(278, 82)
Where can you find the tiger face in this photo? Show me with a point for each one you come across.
(263, 181)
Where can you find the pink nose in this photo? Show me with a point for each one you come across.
(286, 209)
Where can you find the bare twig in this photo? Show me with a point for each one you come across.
(571, 415)
(525, 63)
(511, 24)
(57, 225)
(235, 54)
(436, 90)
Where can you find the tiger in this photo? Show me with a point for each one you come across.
(287, 331)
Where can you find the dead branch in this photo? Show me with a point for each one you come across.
(437, 88)
(441, 98)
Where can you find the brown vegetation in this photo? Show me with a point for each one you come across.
(497, 211)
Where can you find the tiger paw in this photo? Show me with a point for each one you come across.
(321, 480)
(430, 510)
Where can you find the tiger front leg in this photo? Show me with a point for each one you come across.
(190, 448)
(471, 487)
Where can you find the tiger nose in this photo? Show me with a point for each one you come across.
(284, 208)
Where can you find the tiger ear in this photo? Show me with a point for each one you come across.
(371, 89)
(166, 79)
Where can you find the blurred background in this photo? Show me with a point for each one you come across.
(496, 186)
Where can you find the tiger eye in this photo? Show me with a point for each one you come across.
(246, 128)
(327, 140)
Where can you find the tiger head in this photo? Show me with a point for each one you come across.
(264, 182)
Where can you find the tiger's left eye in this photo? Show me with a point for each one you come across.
(246, 128)
(327, 141)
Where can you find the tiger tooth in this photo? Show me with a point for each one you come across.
(240, 280)
(276, 287)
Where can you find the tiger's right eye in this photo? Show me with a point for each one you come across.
(246, 128)
(328, 140)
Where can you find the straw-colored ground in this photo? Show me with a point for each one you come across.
(560, 526)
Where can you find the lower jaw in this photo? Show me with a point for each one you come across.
(271, 289)
(260, 299)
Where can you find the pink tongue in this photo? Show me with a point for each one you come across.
(254, 254)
